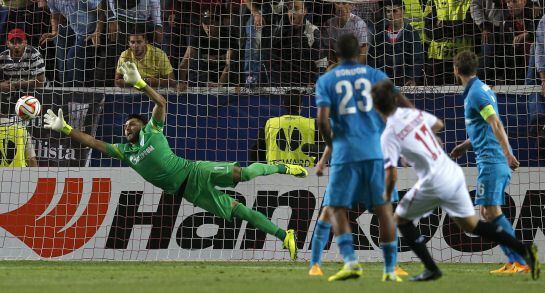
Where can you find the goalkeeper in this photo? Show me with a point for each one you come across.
(149, 154)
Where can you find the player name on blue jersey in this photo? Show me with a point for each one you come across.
(356, 126)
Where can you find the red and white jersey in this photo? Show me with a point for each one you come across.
(409, 134)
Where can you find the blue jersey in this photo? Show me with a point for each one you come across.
(477, 96)
(356, 126)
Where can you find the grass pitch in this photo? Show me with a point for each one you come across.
(286, 277)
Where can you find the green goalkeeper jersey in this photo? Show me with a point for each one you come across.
(153, 158)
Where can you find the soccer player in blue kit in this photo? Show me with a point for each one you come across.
(489, 140)
(351, 129)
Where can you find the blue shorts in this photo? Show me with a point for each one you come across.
(491, 183)
(354, 183)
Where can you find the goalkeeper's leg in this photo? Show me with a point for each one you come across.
(258, 169)
(261, 222)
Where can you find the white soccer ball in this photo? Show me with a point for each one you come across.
(28, 107)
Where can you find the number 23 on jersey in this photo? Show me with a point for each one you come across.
(364, 101)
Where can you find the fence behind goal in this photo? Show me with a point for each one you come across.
(80, 204)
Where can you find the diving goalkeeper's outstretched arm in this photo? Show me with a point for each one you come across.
(132, 77)
(56, 122)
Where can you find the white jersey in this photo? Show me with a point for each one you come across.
(409, 134)
(441, 181)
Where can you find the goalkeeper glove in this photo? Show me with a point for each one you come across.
(56, 123)
(131, 75)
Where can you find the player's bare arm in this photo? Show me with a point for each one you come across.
(324, 126)
(461, 149)
(437, 126)
(501, 136)
(323, 161)
(391, 179)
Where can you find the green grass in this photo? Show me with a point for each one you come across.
(97, 277)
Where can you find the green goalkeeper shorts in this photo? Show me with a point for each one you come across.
(201, 187)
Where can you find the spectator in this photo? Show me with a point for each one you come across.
(267, 17)
(298, 56)
(540, 53)
(123, 17)
(85, 22)
(152, 62)
(449, 30)
(415, 12)
(16, 146)
(21, 65)
(368, 10)
(178, 24)
(123, 14)
(211, 54)
(347, 23)
(517, 38)
(488, 15)
(4, 14)
(288, 139)
(28, 15)
(397, 49)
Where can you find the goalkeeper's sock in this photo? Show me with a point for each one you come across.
(417, 244)
(389, 249)
(346, 246)
(258, 169)
(497, 234)
(502, 222)
(258, 220)
(319, 240)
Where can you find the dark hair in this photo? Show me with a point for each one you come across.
(467, 63)
(398, 3)
(7, 104)
(212, 16)
(139, 29)
(384, 95)
(348, 47)
(142, 119)
(292, 101)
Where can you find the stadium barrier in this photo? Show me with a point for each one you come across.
(112, 214)
(218, 126)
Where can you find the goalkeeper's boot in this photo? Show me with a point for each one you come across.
(316, 271)
(290, 243)
(391, 277)
(532, 259)
(401, 272)
(348, 271)
(295, 170)
(427, 275)
(505, 268)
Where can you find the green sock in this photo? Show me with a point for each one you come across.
(258, 169)
(280, 234)
(258, 220)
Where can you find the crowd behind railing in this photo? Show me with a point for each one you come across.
(263, 43)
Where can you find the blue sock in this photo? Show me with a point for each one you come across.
(502, 222)
(389, 250)
(346, 246)
(396, 239)
(319, 240)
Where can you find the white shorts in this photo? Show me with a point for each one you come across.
(449, 192)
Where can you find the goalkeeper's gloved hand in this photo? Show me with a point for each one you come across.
(131, 75)
(56, 123)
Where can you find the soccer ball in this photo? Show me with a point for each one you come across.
(28, 107)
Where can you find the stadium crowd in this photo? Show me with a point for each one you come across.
(251, 43)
